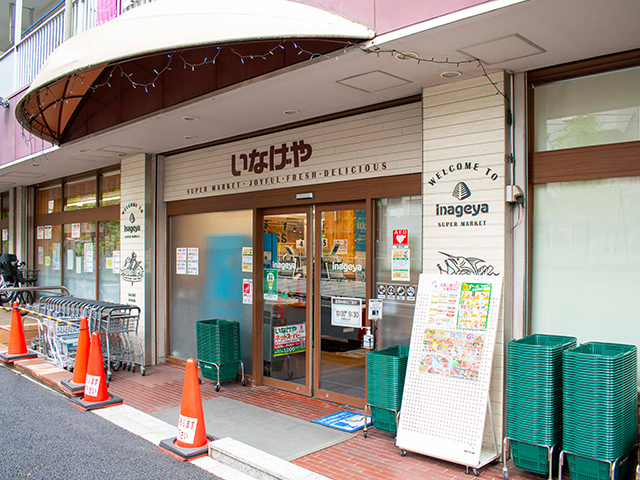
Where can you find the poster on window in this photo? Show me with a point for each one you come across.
(75, 230)
(47, 232)
(400, 264)
(55, 257)
(289, 339)
(116, 262)
(193, 261)
(181, 261)
(39, 233)
(247, 259)
(88, 258)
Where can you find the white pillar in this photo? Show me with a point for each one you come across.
(68, 18)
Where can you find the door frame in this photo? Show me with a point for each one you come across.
(305, 389)
(367, 205)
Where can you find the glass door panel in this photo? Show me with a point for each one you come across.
(286, 358)
(343, 259)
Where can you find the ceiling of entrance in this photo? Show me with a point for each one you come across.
(521, 37)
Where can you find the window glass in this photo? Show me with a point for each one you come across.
(50, 199)
(109, 261)
(586, 260)
(398, 213)
(110, 189)
(5, 207)
(80, 194)
(49, 254)
(595, 110)
(79, 259)
(216, 289)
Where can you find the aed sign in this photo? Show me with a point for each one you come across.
(401, 238)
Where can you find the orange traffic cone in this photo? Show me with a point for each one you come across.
(17, 344)
(95, 384)
(75, 385)
(192, 440)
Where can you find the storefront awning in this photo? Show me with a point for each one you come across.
(163, 26)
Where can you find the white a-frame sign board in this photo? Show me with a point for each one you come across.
(446, 389)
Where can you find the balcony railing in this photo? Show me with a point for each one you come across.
(20, 64)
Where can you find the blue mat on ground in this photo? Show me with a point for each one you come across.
(346, 421)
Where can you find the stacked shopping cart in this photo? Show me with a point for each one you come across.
(218, 343)
(386, 371)
(534, 400)
(600, 410)
(59, 324)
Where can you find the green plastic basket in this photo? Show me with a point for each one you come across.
(581, 468)
(386, 370)
(218, 341)
(383, 419)
(533, 458)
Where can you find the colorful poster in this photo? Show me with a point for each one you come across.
(451, 353)
(401, 238)
(443, 303)
(55, 256)
(193, 261)
(39, 233)
(270, 284)
(181, 261)
(289, 339)
(40, 255)
(247, 259)
(474, 305)
(75, 230)
(400, 264)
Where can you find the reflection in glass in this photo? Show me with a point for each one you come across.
(79, 257)
(80, 194)
(285, 336)
(343, 276)
(109, 261)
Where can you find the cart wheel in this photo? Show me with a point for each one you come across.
(133, 369)
(108, 376)
(217, 388)
(476, 472)
(505, 474)
(403, 452)
(199, 381)
(142, 371)
(129, 366)
(290, 374)
(244, 382)
(365, 434)
(115, 366)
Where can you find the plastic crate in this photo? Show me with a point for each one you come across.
(533, 458)
(581, 468)
(227, 372)
(384, 419)
(386, 370)
(218, 341)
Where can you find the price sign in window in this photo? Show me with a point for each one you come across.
(346, 312)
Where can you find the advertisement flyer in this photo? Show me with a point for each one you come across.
(474, 305)
(247, 259)
(443, 303)
(400, 264)
(247, 291)
(40, 233)
(181, 261)
(193, 261)
(75, 230)
(451, 353)
(88, 257)
(288, 339)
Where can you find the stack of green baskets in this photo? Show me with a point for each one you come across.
(600, 407)
(218, 342)
(386, 370)
(534, 398)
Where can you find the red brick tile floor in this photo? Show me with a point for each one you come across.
(374, 457)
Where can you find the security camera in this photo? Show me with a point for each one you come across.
(515, 195)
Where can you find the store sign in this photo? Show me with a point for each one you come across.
(131, 219)
(276, 158)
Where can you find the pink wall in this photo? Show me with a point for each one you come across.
(12, 143)
(388, 15)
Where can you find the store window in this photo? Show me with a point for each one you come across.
(78, 241)
(4, 222)
(403, 214)
(595, 110)
(80, 194)
(586, 188)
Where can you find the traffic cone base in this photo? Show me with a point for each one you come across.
(169, 446)
(70, 386)
(5, 357)
(86, 406)
(17, 349)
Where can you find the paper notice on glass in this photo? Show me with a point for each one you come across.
(47, 232)
(5, 234)
(181, 261)
(247, 291)
(400, 264)
(70, 258)
(39, 233)
(75, 230)
(55, 257)
(79, 261)
(40, 255)
(346, 312)
(193, 259)
(88, 257)
(116, 262)
(247, 259)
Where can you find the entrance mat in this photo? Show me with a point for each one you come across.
(345, 421)
(280, 435)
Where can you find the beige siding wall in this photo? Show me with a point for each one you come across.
(464, 152)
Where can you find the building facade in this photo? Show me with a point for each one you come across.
(267, 174)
